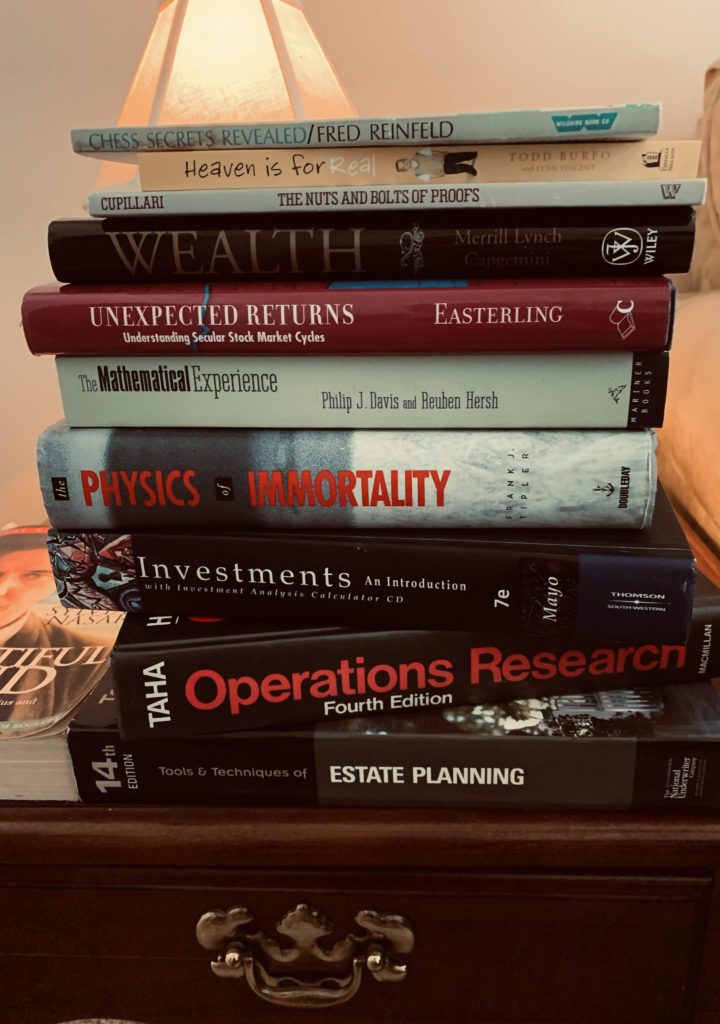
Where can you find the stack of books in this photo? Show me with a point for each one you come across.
(375, 399)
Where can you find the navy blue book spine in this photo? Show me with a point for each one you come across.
(606, 589)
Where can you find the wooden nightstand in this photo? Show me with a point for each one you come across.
(518, 918)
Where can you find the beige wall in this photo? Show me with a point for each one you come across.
(65, 63)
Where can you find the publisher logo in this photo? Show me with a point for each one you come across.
(624, 492)
(606, 489)
(622, 246)
(651, 159)
(224, 488)
(602, 121)
(411, 243)
(616, 392)
(669, 191)
(60, 489)
(622, 317)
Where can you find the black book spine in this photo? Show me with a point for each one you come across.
(168, 689)
(466, 244)
(648, 389)
(401, 580)
(248, 771)
(440, 767)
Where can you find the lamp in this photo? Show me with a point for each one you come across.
(229, 61)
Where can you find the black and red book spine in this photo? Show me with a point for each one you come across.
(180, 678)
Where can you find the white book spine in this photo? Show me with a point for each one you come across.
(595, 389)
(501, 195)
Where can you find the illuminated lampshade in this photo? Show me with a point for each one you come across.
(229, 60)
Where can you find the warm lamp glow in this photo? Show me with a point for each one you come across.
(225, 61)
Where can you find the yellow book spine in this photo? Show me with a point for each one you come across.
(648, 160)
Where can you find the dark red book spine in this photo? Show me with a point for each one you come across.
(324, 318)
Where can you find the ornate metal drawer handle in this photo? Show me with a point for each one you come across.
(388, 939)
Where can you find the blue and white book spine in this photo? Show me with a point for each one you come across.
(626, 122)
(613, 390)
(150, 479)
(497, 195)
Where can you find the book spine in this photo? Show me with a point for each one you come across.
(167, 690)
(524, 243)
(406, 580)
(442, 768)
(99, 478)
(110, 770)
(409, 165)
(318, 319)
(470, 769)
(629, 121)
(502, 195)
(488, 390)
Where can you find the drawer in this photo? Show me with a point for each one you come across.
(489, 948)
